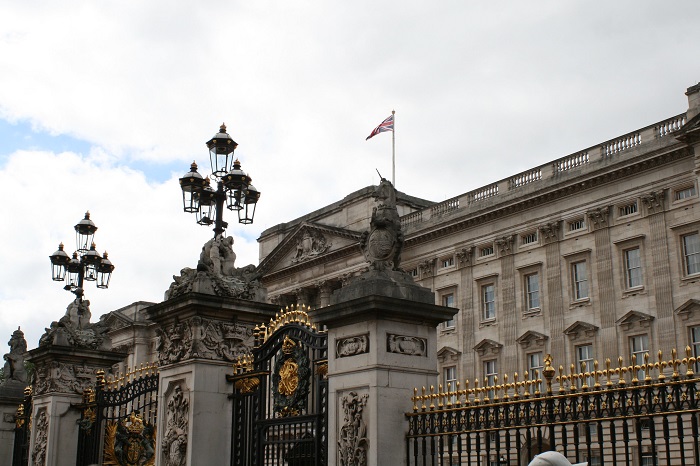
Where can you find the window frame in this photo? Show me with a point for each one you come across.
(532, 369)
(590, 381)
(641, 374)
(631, 270)
(450, 384)
(685, 256)
(483, 303)
(445, 294)
(575, 281)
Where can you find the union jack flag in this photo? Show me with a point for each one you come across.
(386, 125)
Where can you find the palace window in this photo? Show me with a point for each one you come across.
(633, 268)
(578, 224)
(628, 209)
(490, 375)
(488, 301)
(535, 365)
(584, 355)
(648, 460)
(532, 288)
(449, 378)
(414, 272)
(447, 262)
(448, 300)
(529, 238)
(486, 251)
(691, 253)
(695, 345)
(684, 193)
(579, 280)
(639, 346)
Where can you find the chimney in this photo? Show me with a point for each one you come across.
(693, 94)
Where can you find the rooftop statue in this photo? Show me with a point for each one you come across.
(217, 274)
(13, 370)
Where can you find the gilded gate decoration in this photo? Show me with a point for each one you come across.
(117, 426)
(23, 425)
(280, 395)
(645, 412)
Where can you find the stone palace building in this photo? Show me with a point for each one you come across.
(591, 256)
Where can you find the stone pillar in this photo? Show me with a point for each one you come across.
(12, 390)
(62, 373)
(506, 311)
(555, 300)
(606, 283)
(663, 289)
(9, 402)
(199, 337)
(370, 391)
(465, 261)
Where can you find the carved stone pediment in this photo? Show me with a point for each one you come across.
(688, 309)
(581, 329)
(487, 346)
(448, 354)
(308, 242)
(633, 318)
(532, 338)
(116, 321)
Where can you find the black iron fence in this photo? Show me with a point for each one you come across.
(280, 395)
(20, 452)
(118, 422)
(639, 414)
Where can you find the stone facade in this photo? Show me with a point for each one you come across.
(593, 255)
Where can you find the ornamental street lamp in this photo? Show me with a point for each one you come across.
(233, 186)
(86, 263)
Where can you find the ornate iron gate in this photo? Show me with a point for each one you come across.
(117, 426)
(20, 453)
(280, 395)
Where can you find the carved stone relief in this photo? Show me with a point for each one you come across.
(654, 201)
(174, 444)
(311, 244)
(599, 217)
(60, 377)
(353, 444)
(408, 345)
(505, 245)
(465, 256)
(203, 338)
(40, 438)
(75, 329)
(427, 268)
(351, 346)
(550, 231)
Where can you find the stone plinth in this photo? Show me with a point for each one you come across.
(382, 343)
(62, 373)
(11, 396)
(199, 337)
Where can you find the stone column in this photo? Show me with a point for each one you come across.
(62, 373)
(199, 337)
(555, 300)
(506, 312)
(465, 258)
(606, 283)
(12, 391)
(663, 289)
(371, 390)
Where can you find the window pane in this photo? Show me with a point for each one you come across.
(489, 301)
(532, 283)
(639, 346)
(580, 279)
(691, 251)
(448, 300)
(633, 264)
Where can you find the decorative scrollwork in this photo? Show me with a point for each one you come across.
(290, 379)
(248, 385)
(130, 442)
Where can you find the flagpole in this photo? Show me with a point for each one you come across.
(393, 151)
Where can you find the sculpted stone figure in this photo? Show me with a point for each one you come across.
(74, 328)
(217, 274)
(14, 360)
(382, 245)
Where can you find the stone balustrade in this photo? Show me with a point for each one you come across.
(578, 161)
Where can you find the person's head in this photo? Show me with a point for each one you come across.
(552, 458)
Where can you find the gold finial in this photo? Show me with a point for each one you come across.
(222, 128)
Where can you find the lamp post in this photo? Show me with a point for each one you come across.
(86, 263)
(233, 186)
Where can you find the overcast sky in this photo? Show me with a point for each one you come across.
(103, 105)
